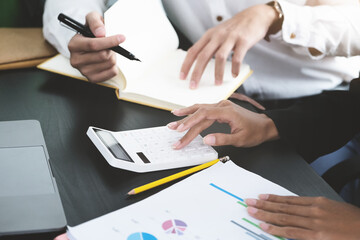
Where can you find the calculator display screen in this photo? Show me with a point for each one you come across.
(114, 146)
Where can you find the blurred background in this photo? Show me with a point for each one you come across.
(21, 13)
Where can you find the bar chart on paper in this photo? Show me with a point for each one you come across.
(254, 235)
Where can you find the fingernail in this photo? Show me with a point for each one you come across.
(251, 202)
(100, 32)
(234, 75)
(120, 38)
(192, 84)
(180, 127)
(175, 111)
(252, 210)
(264, 196)
(175, 145)
(172, 125)
(209, 140)
(264, 226)
(217, 82)
(182, 76)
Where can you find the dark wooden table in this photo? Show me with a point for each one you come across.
(88, 186)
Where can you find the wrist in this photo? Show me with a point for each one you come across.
(270, 130)
(277, 19)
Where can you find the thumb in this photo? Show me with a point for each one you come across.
(96, 24)
(219, 139)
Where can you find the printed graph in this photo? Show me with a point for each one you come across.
(241, 201)
(174, 226)
(256, 236)
(251, 233)
(141, 236)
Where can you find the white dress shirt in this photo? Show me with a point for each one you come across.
(283, 67)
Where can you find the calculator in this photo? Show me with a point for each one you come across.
(149, 149)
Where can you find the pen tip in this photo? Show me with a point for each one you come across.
(137, 59)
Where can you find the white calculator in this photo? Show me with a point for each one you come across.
(149, 149)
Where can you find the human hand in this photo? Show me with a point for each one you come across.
(247, 128)
(237, 34)
(91, 56)
(306, 217)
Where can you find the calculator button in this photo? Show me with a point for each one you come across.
(143, 157)
(203, 147)
(189, 149)
(208, 154)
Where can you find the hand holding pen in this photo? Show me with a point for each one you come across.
(92, 56)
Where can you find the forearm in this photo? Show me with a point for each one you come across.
(320, 124)
(58, 35)
(269, 129)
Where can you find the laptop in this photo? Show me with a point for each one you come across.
(29, 198)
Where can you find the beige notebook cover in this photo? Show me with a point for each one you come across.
(155, 80)
(23, 47)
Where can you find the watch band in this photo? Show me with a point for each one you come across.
(275, 27)
(277, 8)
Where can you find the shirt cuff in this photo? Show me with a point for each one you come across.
(59, 35)
(297, 30)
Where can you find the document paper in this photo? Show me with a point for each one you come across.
(208, 205)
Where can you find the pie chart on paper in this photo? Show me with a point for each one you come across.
(141, 236)
(174, 226)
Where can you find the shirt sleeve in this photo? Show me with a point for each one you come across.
(58, 35)
(333, 30)
(321, 124)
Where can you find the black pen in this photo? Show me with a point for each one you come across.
(86, 32)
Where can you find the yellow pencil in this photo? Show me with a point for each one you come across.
(175, 176)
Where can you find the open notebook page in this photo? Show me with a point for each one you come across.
(208, 205)
(149, 34)
(169, 88)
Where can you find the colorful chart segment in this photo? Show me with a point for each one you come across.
(141, 236)
(253, 234)
(174, 226)
(242, 203)
(229, 193)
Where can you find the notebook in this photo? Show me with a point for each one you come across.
(23, 47)
(207, 205)
(155, 80)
